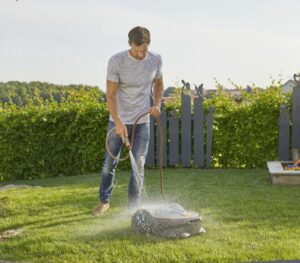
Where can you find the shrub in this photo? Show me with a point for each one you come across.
(52, 139)
(68, 137)
(245, 133)
(36, 93)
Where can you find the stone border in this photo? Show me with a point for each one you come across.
(280, 176)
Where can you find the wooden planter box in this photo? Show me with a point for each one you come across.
(280, 176)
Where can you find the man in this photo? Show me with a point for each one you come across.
(131, 75)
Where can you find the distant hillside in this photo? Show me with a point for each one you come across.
(31, 93)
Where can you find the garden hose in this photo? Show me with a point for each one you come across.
(129, 145)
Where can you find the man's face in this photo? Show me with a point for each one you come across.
(138, 52)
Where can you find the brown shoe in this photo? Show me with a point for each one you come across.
(100, 208)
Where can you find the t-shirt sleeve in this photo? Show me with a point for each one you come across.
(112, 71)
(158, 74)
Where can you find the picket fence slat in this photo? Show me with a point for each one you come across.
(284, 130)
(210, 120)
(198, 132)
(163, 117)
(174, 139)
(150, 160)
(295, 117)
(186, 135)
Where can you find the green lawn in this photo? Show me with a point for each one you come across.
(246, 218)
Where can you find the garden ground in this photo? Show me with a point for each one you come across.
(246, 218)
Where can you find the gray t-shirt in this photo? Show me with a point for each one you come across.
(135, 78)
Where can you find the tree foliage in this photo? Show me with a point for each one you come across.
(37, 93)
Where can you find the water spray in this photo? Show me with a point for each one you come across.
(130, 143)
(165, 219)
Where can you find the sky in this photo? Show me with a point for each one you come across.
(70, 41)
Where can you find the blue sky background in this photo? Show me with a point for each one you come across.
(70, 41)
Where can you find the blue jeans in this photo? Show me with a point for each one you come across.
(139, 150)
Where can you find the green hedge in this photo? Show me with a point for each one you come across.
(68, 138)
(52, 139)
(245, 133)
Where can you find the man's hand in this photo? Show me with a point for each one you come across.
(155, 111)
(121, 130)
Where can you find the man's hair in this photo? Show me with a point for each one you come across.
(139, 35)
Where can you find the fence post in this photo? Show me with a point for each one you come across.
(209, 121)
(163, 117)
(174, 136)
(284, 134)
(199, 127)
(150, 159)
(186, 135)
(296, 113)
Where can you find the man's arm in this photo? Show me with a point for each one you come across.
(111, 94)
(158, 90)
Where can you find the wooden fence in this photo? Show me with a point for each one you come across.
(285, 140)
(188, 139)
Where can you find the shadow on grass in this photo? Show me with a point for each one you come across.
(86, 180)
(52, 221)
(121, 234)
